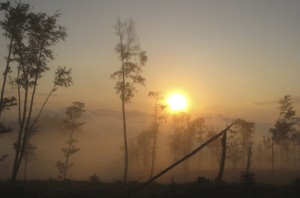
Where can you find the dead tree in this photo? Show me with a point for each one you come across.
(222, 164)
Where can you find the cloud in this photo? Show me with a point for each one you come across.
(296, 100)
(264, 103)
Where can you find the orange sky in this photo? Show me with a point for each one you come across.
(231, 57)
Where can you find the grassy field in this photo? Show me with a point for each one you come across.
(201, 188)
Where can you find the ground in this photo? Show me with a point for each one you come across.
(89, 189)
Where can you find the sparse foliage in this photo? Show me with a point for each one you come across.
(129, 75)
(284, 128)
(31, 36)
(72, 122)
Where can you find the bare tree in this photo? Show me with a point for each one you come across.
(129, 75)
(73, 114)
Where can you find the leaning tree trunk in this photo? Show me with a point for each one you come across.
(196, 150)
(222, 164)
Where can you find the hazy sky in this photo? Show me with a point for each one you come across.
(234, 57)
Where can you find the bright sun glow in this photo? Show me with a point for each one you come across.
(177, 102)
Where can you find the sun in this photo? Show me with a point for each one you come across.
(177, 102)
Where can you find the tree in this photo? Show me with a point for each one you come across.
(129, 75)
(214, 147)
(13, 25)
(234, 150)
(176, 139)
(284, 128)
(194, 131)
(245, 130)
(73, 114)
(186, 131)
(29, 155)
(248, 177)
(31, 50)
(158, 117)
(140, 150)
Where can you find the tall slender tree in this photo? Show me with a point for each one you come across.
(132, 58)
(32, 51)
(72, 122)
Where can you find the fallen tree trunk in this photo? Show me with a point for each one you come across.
(131, 193)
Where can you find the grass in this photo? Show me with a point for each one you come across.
(88, 189)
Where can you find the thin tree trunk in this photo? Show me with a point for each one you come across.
(248, 160)
(153, 153)
(25, 167)
(5, 75)
(125, 142)
(26, 130)
(20, 137)
(154, 140)
(124, 123)
(272, 147)
(22, 115)
(68, 154)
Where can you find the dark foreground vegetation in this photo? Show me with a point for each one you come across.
(202, 188)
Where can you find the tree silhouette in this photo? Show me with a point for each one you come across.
(284, 128)
(31, 49)
(132, 60)
(29, 155)
(158, 117)
(13, 25)
(248, 177)
(177, 138)
(186, 133)
(244, 130)
(73, 114)
(193, 131)
(214, 147)
(234, 150)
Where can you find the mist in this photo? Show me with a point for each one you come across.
(100, 142)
